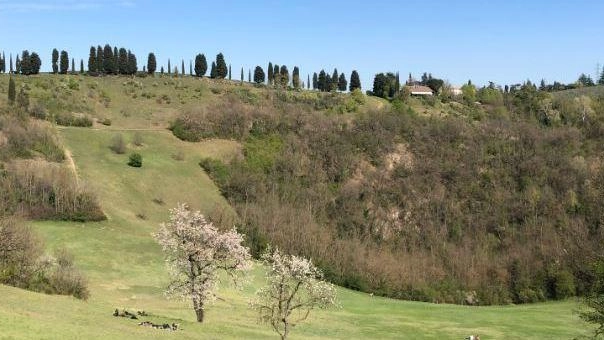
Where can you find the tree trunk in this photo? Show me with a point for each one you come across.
(199, 312)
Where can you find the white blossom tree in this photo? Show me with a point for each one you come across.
(295, 287)
(195, 252)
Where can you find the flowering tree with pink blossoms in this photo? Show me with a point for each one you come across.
(195, 252)
(295, 287)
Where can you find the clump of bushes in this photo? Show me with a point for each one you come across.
(68, 119)
(27, 139)
(135, 160)
(24, 265)
(137, 139)
(43, 190)
(118, 145)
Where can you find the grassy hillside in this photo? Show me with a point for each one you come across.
(125, 266)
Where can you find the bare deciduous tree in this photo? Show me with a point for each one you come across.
(195, 251)
(295, 287)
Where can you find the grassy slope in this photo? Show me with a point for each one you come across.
(125, 268)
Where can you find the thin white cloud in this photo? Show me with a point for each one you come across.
(59, 5)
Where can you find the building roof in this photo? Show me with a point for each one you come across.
(419, 89)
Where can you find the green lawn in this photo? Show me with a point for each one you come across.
(125, 266)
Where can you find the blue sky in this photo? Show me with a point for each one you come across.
(501, 41)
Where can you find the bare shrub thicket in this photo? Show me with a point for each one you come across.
(23, 263)
(28, 139)
(43, 190)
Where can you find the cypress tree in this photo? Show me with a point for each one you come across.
(151, 63)
(122, 65)
(315, 81)
(242, 75)
(201, 65)
(182, 67)
(11, 64)
(334, 80)
(64, 63)
(81, 65)
(17, 65)
(397, 83)
(176, 71)
(25, 63)
(296, 77)
(355, 81)
(308, 81)
(35, 63)
(322, 83)
(108, 60)
(73, 69)
(116, 60)
(3, 63)
(213, 70)
(230, 72)
(342, 83)
(12, 93)
(270, 73)
(249, 76)
(100, 60)
(284, 76)
(162, 70)
(221, 66)
(55, 61)
(258, 75)
(276, 75)
(328, 83)
(92, 60)
(169, 69)
(190, 67)
(132, 63)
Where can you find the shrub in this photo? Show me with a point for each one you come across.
(66, 119)
(135, 160)
(106, 121)
(216, 169)
(118, 145)
(137, 139)
(66, 279)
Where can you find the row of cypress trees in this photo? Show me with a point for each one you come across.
(110, 60)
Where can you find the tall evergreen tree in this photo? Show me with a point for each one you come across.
(116, 60)
(132, 63)
(213, 70)
(11, 64)
(169, 69)
(242, 75)
(151, 63)
(109, 65)
(600, 81)
(73, 69)
(334, 80)
(64, 62)
(270, 73)
(35, 63)
(258, 75)
(397, 83)
(342, 83)
(190, 67)
(100, 60)
(355, 81)
(276, 75)
(81, 65)
(3, 63)
(322, 83)
(55, 61)
(92, 60)
(122, 65)
(25, 63)
(284, 76)
(328, 83)
(249, 76)
(221, 67)
(296, 77)
(161, 70)
(230, 72)
(201, 65)
(12, 91)
(315, 81)
(308, 81)
(182, 67)
(17, 65)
